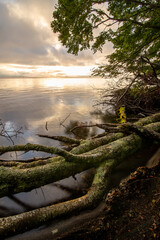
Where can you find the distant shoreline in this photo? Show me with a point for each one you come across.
(7, 77)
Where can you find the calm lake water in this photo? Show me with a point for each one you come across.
(30, 103)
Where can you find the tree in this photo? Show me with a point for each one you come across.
(132, 26)
(77, 21)
(102, 153)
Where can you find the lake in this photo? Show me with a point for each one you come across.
(30, 103)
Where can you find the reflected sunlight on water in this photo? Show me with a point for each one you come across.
(64, 82)
(30, 103)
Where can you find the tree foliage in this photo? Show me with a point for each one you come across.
(132, 26)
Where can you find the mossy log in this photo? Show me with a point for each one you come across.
(104, 154)
(14, 180)
(25, 221)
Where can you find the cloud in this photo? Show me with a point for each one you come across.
(21, 40)
(26, 37)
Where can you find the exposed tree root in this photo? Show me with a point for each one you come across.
(35, 218)
(142, 131)
(16, 180)
(131, 211)
(103, 153)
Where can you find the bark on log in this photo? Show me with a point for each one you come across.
(18, 180)
(104, 154)
(25, 221)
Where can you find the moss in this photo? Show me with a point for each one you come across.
(105, 157)
(26, 221)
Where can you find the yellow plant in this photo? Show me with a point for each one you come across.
(122, 115)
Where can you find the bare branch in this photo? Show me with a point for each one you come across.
(127, 89)
(61, 139)
(25, 160)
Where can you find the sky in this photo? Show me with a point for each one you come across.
(29, 48)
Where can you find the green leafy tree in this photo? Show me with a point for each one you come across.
(132, 26)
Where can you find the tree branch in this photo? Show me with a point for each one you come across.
(109, 18)
(32, 219)
(62, 139)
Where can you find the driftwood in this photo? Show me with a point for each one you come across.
(104, 154)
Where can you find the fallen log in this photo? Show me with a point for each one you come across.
(104, 154)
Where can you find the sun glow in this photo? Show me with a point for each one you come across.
(45, 71)
(76, 70)
(40, 23)
(62, 82)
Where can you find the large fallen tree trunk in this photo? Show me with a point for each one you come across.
(103, 153)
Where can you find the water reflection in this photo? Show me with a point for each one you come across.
(33, 102)
(82, 132)
(30, 103)
(46, 195)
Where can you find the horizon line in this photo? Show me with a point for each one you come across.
(87, 76)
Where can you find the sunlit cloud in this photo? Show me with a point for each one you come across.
(44, 71)
(29, 48)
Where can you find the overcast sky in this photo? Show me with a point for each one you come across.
(28, 47)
